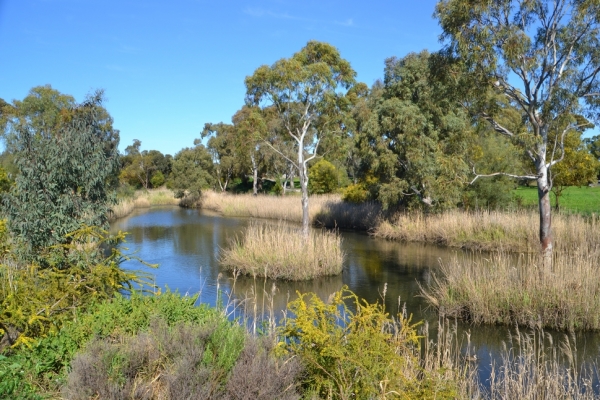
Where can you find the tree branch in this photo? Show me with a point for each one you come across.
(529, 177)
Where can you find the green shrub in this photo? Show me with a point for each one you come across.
(361, 354)
(157, 180)
(355, 193)
(212, 360)
(322, 178)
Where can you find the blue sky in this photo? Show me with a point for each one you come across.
(168, 67)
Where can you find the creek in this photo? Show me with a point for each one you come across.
(185, 243)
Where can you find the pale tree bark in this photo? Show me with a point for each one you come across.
(254, 175)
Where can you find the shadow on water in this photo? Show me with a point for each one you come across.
(186, 244)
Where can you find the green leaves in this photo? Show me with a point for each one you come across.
(65, 176)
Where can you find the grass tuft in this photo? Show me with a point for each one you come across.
(281, 252)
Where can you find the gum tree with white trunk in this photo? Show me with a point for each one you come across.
(308, 93)
(543, 56)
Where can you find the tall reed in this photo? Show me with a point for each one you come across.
(281, 252)
(511, 289)
(489, 230)
(324, 210)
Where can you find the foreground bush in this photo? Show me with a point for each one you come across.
(363, 354)
(213, 360)
(281, 252)
(36, 301)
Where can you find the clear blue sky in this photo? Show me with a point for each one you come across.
(168, 67)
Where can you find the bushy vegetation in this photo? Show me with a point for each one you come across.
(353, 349)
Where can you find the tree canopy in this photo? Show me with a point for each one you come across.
(543, 57)
(66, 171)
(304, 92)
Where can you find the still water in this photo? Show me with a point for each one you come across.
(185, 243)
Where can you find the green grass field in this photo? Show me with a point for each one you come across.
(585, 199)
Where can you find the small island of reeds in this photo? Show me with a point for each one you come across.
(280, 251)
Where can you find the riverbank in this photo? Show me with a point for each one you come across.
(143, 199)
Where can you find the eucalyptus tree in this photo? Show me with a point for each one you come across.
(192, 171)
(305, 92)
(144, 168)
(223, 145)
(251, 127)
(67, 157)
(541, 55)
(413, 137)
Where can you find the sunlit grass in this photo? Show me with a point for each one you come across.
(143, 199)
(584, 199)
(281, 252)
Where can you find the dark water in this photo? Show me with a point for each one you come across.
(186, 243)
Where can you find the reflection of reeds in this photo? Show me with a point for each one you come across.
(281, 252)
(324, 210)
(489, 230)
(143, 199)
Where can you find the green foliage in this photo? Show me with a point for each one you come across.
(192, 171)
(355, 193)
(158, 179)
(578, 168)
(323, 177)
(5, 182)
(37, 301)
(138, 168)
(490, 154)
(413, 136)
(65, 176)
(226, 148)
(360, 354)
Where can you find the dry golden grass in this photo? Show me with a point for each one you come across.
(509, 286)
(489, 230)
(511, 289)
(324, 210)
(143, 199)
(534, 367)
(281, 252)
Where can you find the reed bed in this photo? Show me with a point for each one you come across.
(489, 230)
(281, 252)
(324, 210)
(143, 199)
(534, 367)
(509, 289)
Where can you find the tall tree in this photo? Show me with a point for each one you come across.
(192, 171)
(251, 126)
(223, 146)
(544, 57)
(146, 168)
(415, 137)
(65, 173)
(304, 91)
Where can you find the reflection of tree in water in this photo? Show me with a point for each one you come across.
(267, 298)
